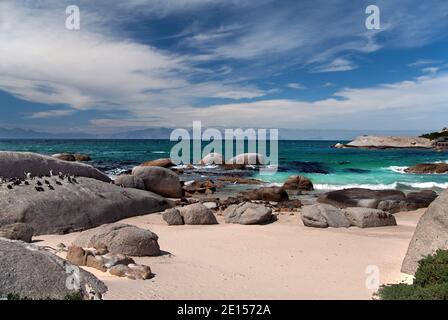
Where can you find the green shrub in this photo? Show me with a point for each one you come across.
(430, 283)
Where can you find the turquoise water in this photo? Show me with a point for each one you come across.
(328, 168)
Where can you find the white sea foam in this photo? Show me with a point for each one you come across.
(325, 186)
(159, 152)
(397, 169)
(426, 185)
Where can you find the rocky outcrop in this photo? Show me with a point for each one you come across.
(386, 142)
(324, 216)
(413, 201)
(130, 181)
(80, 157)
(369, 218)
(17, 231)
(164, 163)
(199, 187)
(120, 238)
(212, 158)
(299, 183)
(197, 213)
(32, 272)
(247, 213)
(358, 197)
(16, 164)
(247, 159)
(159, 180)
(173, 217)
(428, 168)
(431, 234)
(277, 194)
(73, 206)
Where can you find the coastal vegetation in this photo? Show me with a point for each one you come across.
(436, 135)
(430, 283)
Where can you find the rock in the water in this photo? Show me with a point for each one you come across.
(277, 194)
(431, 234)
(247, 159)
(384, 142)
(197, 213)
(298, 183)
(32, 272)
(239, 180)
(212, 158)
(173, 217)
(17, 231)
(82, 157)
(324, 216)
(75, 206)
(130, 181)
(358, 197)
(159, 180)
(121, 238)
(428, 168)
(164, 163)
(64, 156)
(15, 164)
(369, 218)
(247, 213)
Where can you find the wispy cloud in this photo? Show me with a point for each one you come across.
(51, 114)
(294, 85)
(337, 65)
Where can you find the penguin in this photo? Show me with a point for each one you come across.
(47, 182)
(70, 180)
(51, 173)
(74, 180)
(27, 183)
(9, 187)
(39, 183)
(58, 183)
(51, 187)
(17, 182)
(39, 189)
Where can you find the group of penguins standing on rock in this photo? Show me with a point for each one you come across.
(39, 187)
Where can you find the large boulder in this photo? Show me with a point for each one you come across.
(173, 217)
(298, 183)
(369, 218)
(29, 271)
(247, 213)
(15, 164)
(413, 201)
(385, 142)
(212, 158)
(71, 206)
(428, 168)
(130, 181)
(431, 234)
(247, 159)
(164, 163)
(358, 197)
(277, 194)
(197, 213)
(120, 238)
(159, 180)
(17, 231)
(324, 216)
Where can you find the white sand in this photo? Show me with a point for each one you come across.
(282, 260)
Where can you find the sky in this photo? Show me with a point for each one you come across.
(308, 64)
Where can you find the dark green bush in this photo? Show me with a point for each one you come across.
(430, 283)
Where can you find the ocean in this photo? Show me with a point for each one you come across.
(328, 168)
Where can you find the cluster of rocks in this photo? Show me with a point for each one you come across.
(35, 273)
(194, 214)
(324, 216)
(206, 187)
(80, 157)
(391, 201)
(428, 168)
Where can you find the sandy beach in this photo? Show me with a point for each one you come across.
(281, 260)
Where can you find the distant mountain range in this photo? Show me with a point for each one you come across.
(164, 133)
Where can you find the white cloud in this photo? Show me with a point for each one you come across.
(424, 62)
(337, 65)
(295, 86)
(51, 114)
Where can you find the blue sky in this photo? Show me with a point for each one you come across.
(265, 63)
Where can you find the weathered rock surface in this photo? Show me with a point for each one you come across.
(431, 234)
(247, 159)
(130, 181)
(35, 273)
(14, 164)
(197, 213)
(74, 206)
(121, 238)
(324, 216)
(64, 156)
(173, 217)
(384, 142)
(164, 163)
(247, 213)
(428, 168)
(239, 180)
(199, 187)
(358, 197)
(369, 218)
(298, 183)
(17, 231)
(276, 194)
(159, 180)
(212, 158)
